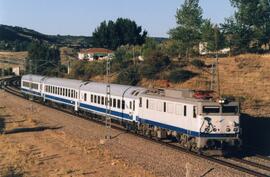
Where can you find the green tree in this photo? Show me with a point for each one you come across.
(211, 36)
(114, 34)
(249, 28)
(237, 37)
(43, 59)
(187, 33)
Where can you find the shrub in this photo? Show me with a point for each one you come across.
(180, 75)
(148, 71)
(129, 76)
(198, 63)
(154, 64)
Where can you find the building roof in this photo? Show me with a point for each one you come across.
(96, 50)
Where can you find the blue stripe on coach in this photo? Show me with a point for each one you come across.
(31, 92)
(185, 131)
(63, 100)
(102, 110)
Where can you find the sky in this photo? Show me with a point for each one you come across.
(81, 17)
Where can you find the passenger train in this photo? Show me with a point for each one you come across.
(195, 123)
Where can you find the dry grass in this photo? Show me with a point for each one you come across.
(246, 77)
(11, 55)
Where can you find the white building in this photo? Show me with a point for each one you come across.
(93, 54)
(203, 49)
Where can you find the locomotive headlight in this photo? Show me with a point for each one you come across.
(228, 129)
(214, 130)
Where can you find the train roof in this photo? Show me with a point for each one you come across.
(180, 95)
(69, 83)
(116, 89)
(33, 78)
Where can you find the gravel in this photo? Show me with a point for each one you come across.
(155, 158)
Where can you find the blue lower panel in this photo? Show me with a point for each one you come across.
(30, 92)
(102, 110)
(184, 131)
(62, 100)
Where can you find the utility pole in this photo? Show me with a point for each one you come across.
(108, 120)
(214, 69)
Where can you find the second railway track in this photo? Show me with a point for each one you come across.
(11, 85)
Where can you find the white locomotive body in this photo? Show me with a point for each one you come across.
(195, 123)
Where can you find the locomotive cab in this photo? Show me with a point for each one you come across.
(219, 122)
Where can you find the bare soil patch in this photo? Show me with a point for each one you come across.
(39, 141)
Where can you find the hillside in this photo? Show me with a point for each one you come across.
(11, 36)
(10, 33)
(245, 77)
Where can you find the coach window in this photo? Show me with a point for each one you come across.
(123, 104)
(76, 94)
(147, 103)
(111, 102)
(114, 103)
(95, 99)
(68, 92)
(58, 91)
(118, 103)
(92, 98)
(72, 93)
(194, 111)
(98, 99)
(102, 100)
(164, 107)
(85, 97)
(133, 105)
(140, 104)
(130, 105)
(185, 110)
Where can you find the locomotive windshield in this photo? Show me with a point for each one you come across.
(210, 109)
(230, 109)
(224, 109)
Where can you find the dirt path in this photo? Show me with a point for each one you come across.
(39, 141)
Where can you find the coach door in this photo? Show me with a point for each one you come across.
(132, 110)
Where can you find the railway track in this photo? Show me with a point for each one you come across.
(11, 85)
